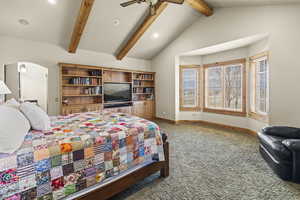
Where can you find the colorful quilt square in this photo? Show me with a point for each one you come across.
(99, 158)
(25, 159)
(79, 165)
(27, 182)
(43, 165)
(81, 185)
(56, 172)
(8, 177)
(70, 189)
(9, 162)
(78, 155)
(107, 156)
(57, 184)
(108, 165)
(67, 158)
(90, 181)
(43, 190)
(70, 179)
(89, 152)
(26, 171)
(29, 194)
(59, 194)
(90, 162)
(43, 178)
(56, 161)
(68, 169)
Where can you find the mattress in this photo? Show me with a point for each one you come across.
(80, 151)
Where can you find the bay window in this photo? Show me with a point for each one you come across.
(259, 91)
(225, 88)
(189, 88)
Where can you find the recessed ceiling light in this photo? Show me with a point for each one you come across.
(53, 2)
(155, 35)
(24, 22)
(116, 22)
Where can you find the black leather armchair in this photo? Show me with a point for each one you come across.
(280, 147)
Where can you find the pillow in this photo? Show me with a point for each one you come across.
(13, 103)
(13, 128)
(38, 118)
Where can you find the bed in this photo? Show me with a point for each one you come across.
(84, 156)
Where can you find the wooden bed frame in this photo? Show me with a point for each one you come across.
(125, 182)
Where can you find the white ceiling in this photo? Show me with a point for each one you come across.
(54, 23)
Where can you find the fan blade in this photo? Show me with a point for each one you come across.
(152, 10)
(174, 1)
(129, 3)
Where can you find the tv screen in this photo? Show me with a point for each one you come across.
(117, 92)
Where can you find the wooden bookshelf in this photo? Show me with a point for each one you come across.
(82, 89)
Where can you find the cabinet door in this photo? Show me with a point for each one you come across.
(138, 108)
(149, 109)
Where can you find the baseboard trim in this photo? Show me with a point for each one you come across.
(166, 120)
(212, 124)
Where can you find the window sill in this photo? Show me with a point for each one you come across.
(192, 109)
(259, 117)
(225, 112)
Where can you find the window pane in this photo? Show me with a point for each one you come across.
(262, 86)
(233, 87)
(190, 79)
(214, 94)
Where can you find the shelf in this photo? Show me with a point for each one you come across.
(142, 93)
(79, 85)
(142, 86)
(83, 95)
(83, 104)
(116, 82)
(81, 76)
(136, 79)
(119, 102)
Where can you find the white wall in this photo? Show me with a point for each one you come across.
(227, 24)
(14, 50)
(226, 55)
(190, 60)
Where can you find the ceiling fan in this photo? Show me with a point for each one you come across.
(152, 3)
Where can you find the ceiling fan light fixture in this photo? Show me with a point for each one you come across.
(153, 2)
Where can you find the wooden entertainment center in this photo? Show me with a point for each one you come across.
(82, 90)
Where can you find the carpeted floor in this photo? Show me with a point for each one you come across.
(211, 164)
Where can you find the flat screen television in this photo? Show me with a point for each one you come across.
(117, 92)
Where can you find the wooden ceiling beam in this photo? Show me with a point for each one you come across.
(141, 30)
(82, 18)
(201, 6)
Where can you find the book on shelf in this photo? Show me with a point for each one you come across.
(144, 76)
(95, 73)
(93, 91)
(143, 90)
(84, 81)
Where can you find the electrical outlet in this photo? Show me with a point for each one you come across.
(56, 100)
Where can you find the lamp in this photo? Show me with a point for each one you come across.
(3, 90)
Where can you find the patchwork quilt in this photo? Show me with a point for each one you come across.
(81, 150)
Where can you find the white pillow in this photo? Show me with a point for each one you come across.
(38, 118)
(13, 128)
(12, 103)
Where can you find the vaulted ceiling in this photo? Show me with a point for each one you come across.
(54, 23)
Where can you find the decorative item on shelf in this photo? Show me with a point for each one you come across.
(3, 91)
(65, 102)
